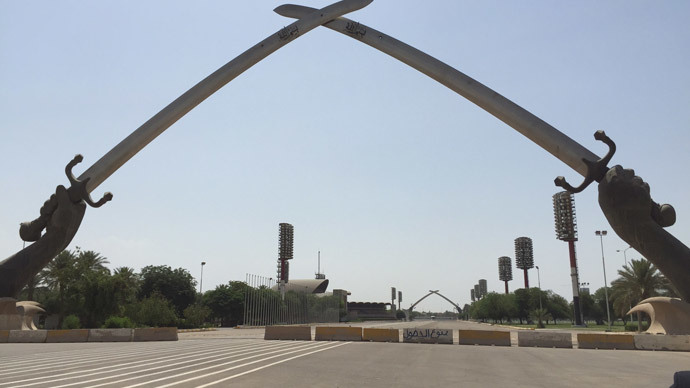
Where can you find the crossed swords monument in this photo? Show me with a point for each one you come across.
(623, 197)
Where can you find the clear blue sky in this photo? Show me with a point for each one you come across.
(396, 179)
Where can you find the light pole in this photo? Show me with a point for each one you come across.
(201, 279)
(601, 234)
(625, 256)
(539, 284)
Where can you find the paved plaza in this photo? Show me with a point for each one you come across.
(240, 357)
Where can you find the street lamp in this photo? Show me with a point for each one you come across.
(625, 256)
(539, 284)
(201, 279)
(601, 234)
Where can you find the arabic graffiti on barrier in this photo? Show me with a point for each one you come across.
(424, 333)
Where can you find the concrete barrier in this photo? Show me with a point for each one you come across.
(428, 336)
(605, 341)
(155, 334)
(545, 339)
(679, 343)
(380, 335)
(484, 337)
(296, 333)
(338, 333)
(4, 336)
(79, 335)
(110, 335)
(24, 336)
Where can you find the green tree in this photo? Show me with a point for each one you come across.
(557, 307)
(90, 261)
(58, 275)
(178, 286)
(154, 310)
(226, 302)
(600, 300)
(590, 309)
(195, 315)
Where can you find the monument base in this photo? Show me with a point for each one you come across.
(18, 315)
(669, 315)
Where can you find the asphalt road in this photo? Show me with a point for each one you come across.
(239, 357)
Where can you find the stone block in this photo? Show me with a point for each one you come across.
(605, 341)
(380, 335)
(78, 335)
(545, 339)
(338, 333)
(155, 334)
(662, 342)
(110, 335)
(295, 333)
(4, 336)
(428, 336)
(484, 337)
(23, 336)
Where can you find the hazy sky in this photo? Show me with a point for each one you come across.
(396, 179)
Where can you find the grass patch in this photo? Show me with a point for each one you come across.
(615, 327)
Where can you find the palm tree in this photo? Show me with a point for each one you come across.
(639, 281)
(540, 315)
(57, 275)
(90, 261)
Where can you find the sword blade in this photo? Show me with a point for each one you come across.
(151, 129)
(540, 132)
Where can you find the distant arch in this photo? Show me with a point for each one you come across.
(408, 311)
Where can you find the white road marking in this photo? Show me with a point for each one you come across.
(268, 365)
(299, 349)
(133, 364)
(75, 361)
(153, 373)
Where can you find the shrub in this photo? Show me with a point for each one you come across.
(155, 311)
(633, 326)
(115, 322)
(71, 322)
(195, 315)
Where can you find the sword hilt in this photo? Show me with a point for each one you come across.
(595, 169)
(32, 230)
(77, 188)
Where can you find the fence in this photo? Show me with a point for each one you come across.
(264, 305)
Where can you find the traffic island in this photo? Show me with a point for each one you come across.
(294, 333)
(484, 337)
(155, 334)
(605, 341)
(338, 333)
(62, 336)
(380, 335)
(679, 343)
(545, 339)
(428, 336)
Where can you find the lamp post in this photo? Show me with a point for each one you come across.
(539, 284)
(625, 256)
(201, 279)
(601, 234)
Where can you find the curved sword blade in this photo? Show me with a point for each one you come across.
(143, 135)
(540, 132)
